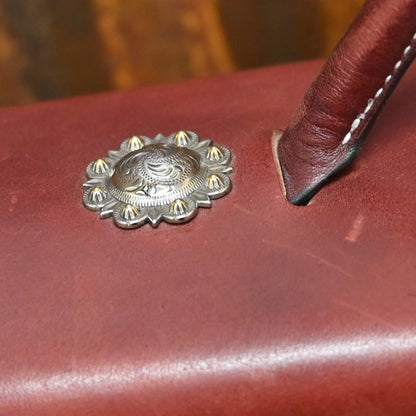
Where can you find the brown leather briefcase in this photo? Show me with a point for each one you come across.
(256, 306)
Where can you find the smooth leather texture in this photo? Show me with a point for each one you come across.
(256, 307)
(366, 65)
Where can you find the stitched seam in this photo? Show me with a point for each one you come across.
(362, 116)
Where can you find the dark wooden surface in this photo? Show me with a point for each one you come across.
(59, 48)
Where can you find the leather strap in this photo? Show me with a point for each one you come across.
(340, 107)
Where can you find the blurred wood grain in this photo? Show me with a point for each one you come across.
(58, 48)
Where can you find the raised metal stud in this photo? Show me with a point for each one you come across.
(151, 180)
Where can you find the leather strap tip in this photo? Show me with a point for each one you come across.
(302, 181)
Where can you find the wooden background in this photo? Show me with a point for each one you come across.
(58, 48)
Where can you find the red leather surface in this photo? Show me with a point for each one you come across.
(380, 43)
(256, 307)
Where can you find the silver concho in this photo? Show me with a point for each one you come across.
(150, 180)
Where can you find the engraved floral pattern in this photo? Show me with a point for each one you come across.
(150, 180)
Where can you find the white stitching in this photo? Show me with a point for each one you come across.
(370, 103)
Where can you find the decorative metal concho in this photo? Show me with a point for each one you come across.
(150, 180)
